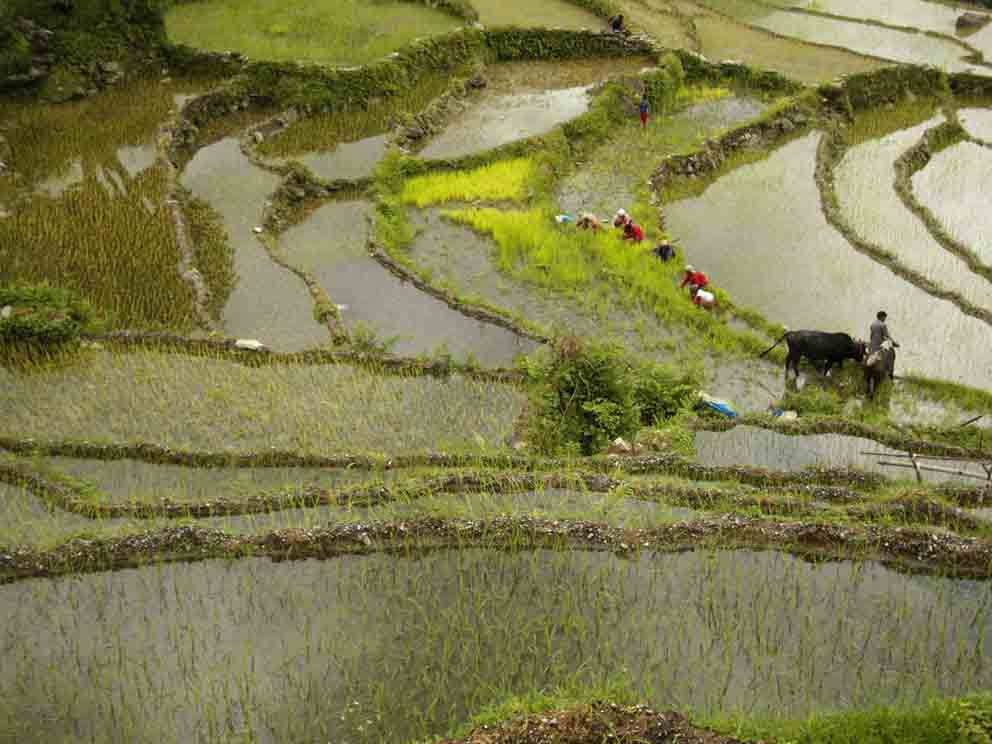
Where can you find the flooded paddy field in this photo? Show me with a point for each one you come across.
(331, 245)
(761, 448)
(336, 650)
(268, 303)
(947, 187)
(977, 122)
(230, 407)
(524, 99)
(862, 38)
(349, 160)
(118, 481)
(870, 205)
(799, 271)
(84, 203)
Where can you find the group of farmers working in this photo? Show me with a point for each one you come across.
(695, 280)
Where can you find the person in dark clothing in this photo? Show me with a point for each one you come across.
(616, 24)
(664, 251)
(879, 332)
(644, 108)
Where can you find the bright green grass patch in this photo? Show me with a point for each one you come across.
(325, 131)
(966, 720)
(341, 32)
(532, 247)
(506, 180)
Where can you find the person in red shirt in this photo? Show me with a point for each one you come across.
(695, 279)
(633, 231)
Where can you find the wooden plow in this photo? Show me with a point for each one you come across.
(918, 464)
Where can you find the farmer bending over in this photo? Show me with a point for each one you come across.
(695, 279)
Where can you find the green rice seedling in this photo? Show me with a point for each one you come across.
(505, 180)
(340, 32)
(89, 210)
(302, 408)
(325, 131)
(532, 247)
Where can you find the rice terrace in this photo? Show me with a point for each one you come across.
(496, 372)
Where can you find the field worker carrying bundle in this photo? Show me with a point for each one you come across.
(695, 279)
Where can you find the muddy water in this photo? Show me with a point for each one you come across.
(349, 160)
(495, 121)
(910, 13)
(978, 122)
(722, 38)
(749, 445)
(898, 46)
(331, 245)
(25, 520)
(952, 187)
(268, 303)
(869, 203)
(796, 269)
(131, 480)
(338, 651)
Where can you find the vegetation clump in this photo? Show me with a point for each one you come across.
(503, 180)
(585, 394)
(34, 316)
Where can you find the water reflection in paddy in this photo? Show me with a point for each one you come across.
(761, 448)
(268, 302)
(380, 648)
(331, 245)
(506, 118)
(796, 269)
(869, 202)
(977, 122)
(348, 161)
(951, 187)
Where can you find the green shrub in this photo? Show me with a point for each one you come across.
(41, 315)
(660, 392)
(581, 397)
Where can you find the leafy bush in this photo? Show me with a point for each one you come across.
(41, 315)
(660, 392)
(581, 397)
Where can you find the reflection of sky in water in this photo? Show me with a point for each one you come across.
(331, 246)
(496, 121)
(953, 186)
(349, 160)
(870, 205)
(898, 46)
(377, 638)
(268, 303)
(756, 447)
(977, 122)
(792, 265)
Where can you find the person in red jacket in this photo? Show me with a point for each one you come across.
(633, 231)
(695, 279)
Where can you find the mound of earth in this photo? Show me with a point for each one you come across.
(595, 724)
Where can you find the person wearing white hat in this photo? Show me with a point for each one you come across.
(695, 279)
(621, 218)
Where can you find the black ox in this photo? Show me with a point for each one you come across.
(817, 346)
